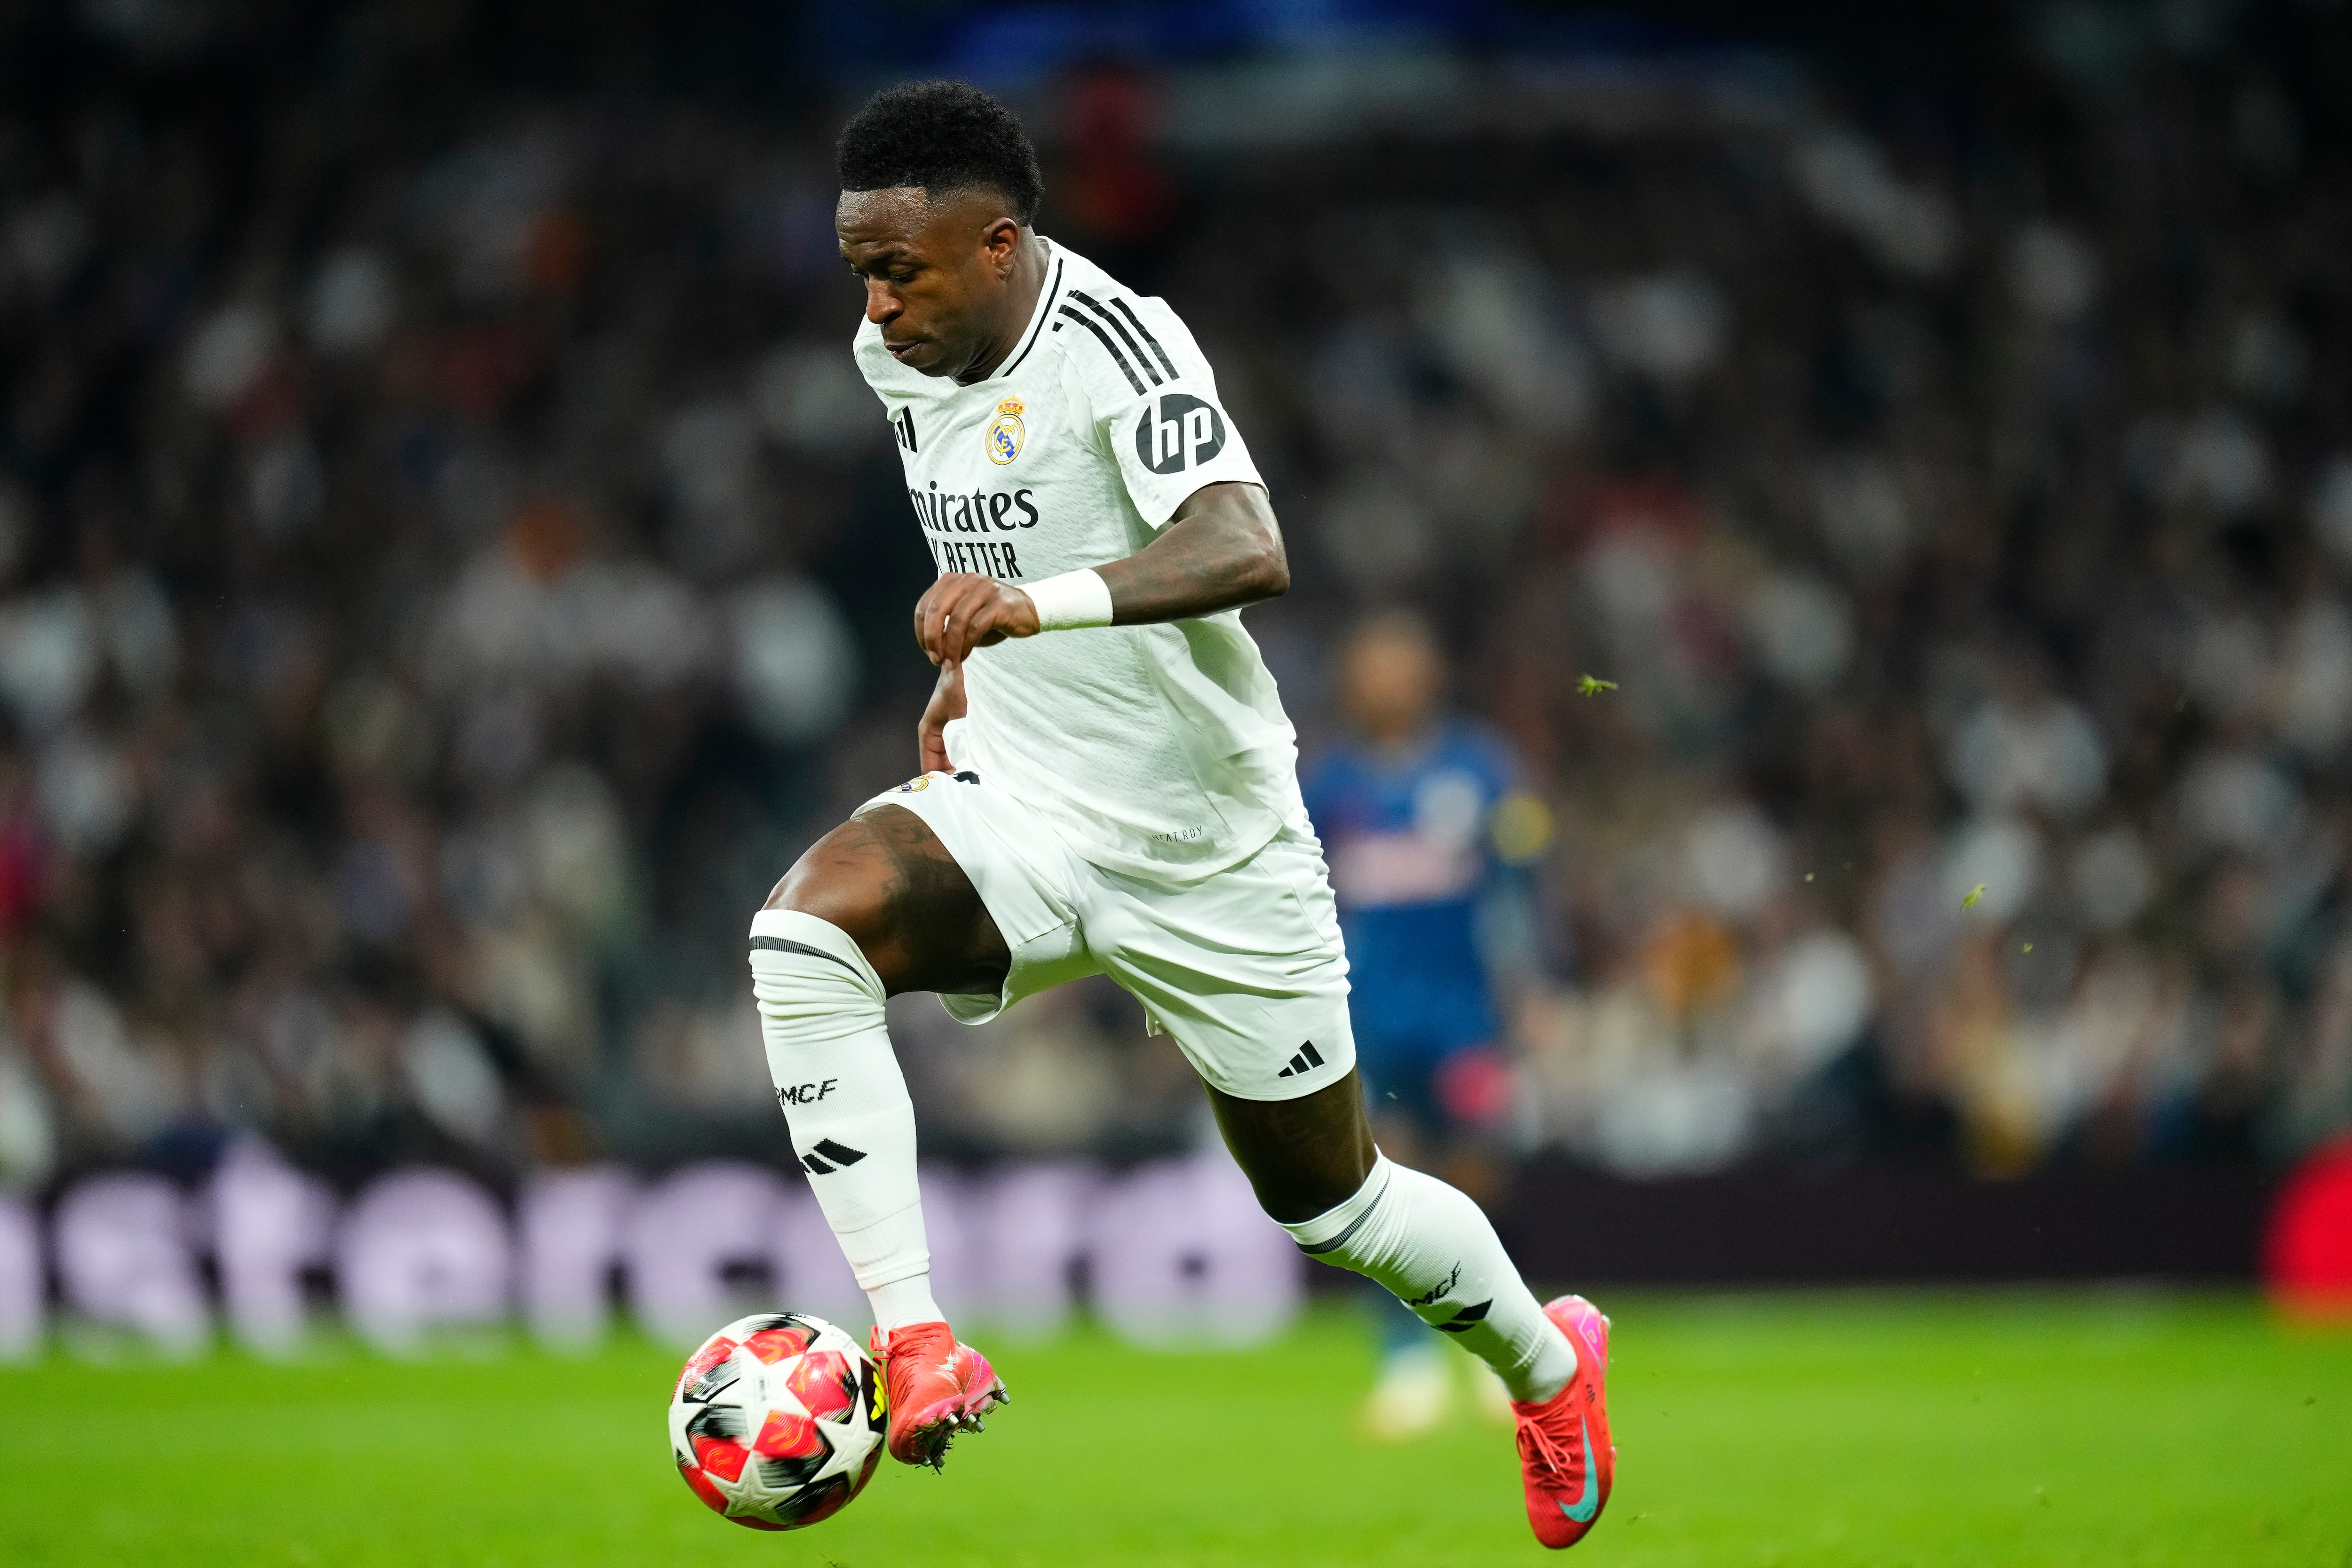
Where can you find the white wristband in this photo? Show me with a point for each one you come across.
(1073, 599)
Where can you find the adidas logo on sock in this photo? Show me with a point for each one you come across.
(840, 1154)
(1469, 1318)
(1306, 1060)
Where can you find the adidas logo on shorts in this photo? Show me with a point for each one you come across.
(1306, 1060)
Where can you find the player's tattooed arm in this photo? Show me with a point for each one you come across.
(1223, 549)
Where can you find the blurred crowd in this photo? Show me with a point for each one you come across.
(449, 566)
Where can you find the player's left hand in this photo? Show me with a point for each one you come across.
(963, 611)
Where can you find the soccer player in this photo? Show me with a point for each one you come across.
(1426, 829)
(1109, 786)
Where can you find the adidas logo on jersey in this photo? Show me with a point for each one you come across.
(1306, 1060)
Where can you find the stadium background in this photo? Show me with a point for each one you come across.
(449, 567)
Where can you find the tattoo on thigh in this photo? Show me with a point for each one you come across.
(924, 877)
(936, 913)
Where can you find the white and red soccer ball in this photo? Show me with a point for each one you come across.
(777, 1421)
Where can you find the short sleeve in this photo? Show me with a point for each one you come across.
(1154, 401)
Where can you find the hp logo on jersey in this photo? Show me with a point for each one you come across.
(1184, 432)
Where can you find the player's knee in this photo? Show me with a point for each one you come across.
(1303, 1156)
(1309, 1191)
(837, 881)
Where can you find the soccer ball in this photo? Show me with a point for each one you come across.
(777, 1421)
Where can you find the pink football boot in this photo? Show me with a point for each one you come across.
(936, 1388)
(1565, 1456)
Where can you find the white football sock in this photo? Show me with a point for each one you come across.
(904, 1302)
(845, 1103)
(1435, 1251)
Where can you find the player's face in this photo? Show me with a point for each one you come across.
(937, 274)
(1390, 682)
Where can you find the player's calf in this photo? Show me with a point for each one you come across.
(837, 1082)
(853, 1127)
(1436, 1252)
(1435, 1248)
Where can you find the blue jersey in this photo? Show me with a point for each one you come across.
(1411, 842)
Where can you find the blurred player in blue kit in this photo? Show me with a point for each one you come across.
(1429, 838)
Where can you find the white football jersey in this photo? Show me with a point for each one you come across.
(1161, 750)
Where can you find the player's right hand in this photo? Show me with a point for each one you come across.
(963, 611)
(931, 732)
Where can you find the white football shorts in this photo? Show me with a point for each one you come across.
(1246, 968)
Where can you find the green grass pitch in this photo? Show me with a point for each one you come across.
(1877, 1429)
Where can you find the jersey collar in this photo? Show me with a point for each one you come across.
(1046, 297)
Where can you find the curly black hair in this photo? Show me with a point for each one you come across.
(943, 136)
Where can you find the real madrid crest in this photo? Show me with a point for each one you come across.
(1004, 432)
